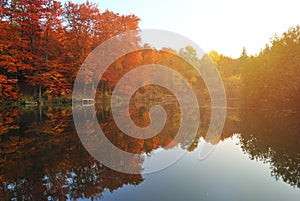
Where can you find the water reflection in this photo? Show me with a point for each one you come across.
(42, 157)
(44, 160)
(273, 137)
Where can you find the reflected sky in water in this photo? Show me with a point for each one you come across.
(42, 159)
(227, 174)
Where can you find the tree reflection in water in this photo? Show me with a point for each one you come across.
(45, 160)
(273, 137)
(42, 157)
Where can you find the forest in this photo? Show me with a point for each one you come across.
(44, 43)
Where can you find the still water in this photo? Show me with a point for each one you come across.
(257, 157)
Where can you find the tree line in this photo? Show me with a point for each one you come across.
(43, 44)
(271, 79)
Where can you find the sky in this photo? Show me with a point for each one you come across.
(225, 26)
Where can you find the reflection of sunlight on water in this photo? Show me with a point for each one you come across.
(157, 150)
(171, 156)
(204, 148)
(227, 174)
(162, 156)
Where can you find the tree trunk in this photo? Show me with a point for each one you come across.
(40, 92)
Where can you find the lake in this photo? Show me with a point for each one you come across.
(256, 157)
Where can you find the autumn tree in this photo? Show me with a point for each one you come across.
(43, 43)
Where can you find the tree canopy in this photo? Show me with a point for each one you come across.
(43, 43)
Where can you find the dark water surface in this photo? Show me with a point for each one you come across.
(256, 158)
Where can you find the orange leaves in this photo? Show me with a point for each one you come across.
(7, 88)
(14, 127)
(8, 120)
(4, 129)
(46, 43)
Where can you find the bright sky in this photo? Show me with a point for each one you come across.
(222, 25)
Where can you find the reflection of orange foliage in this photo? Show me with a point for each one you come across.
(42, 162)
(139, 110)
(49, 152)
